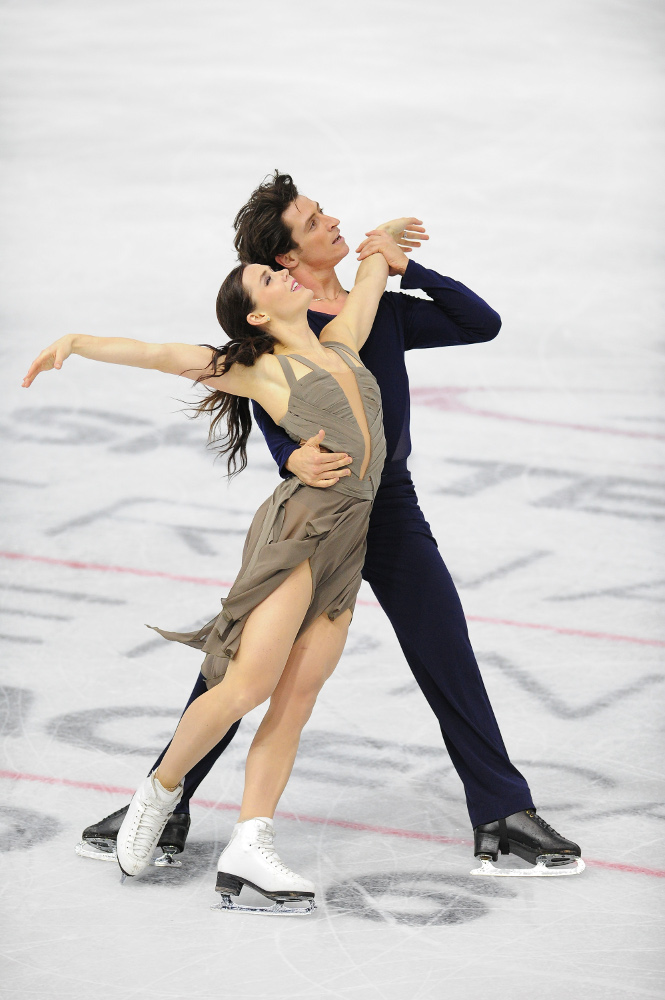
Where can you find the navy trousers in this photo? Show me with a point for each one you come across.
(409, 578)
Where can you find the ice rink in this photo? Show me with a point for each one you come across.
(528, 137)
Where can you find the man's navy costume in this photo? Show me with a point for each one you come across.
(403, 566)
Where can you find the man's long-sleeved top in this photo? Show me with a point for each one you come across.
(453, 315)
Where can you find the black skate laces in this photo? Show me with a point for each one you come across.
(543, 824)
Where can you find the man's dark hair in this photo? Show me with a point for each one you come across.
(260, 232)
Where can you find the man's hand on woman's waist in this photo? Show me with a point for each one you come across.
(315, 466)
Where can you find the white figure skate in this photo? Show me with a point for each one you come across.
(148, 813)
(250, 859)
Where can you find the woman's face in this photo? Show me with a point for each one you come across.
(275, 293)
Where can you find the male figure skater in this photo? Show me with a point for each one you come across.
(279, 227)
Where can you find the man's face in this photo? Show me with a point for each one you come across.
(320, 243)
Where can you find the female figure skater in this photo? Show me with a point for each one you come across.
(284, 622)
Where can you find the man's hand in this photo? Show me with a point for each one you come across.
(407, 232)
(314, 467)
(379, 241)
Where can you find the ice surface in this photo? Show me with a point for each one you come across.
(526, 136)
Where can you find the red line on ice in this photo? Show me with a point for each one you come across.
(448, 398)
(210, 582)
(345, 824)
(102, 568)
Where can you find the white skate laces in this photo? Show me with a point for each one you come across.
(265, 836)
(142, 834)
(148, 814)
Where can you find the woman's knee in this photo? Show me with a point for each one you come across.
(296, 706)
(245, 698)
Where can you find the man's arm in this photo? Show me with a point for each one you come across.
(280, 444)
(455, 314)
(311, 465)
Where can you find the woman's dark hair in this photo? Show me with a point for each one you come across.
(246, 345)
(260, 232)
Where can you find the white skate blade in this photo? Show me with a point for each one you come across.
(278, 909)
(98, 851)
(105, 851)
(166, 860)
(539, 870)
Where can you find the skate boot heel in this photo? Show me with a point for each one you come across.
(486, 844)
(229, 885)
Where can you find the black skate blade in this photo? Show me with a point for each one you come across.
(231, 885)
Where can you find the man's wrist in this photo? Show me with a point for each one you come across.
(289, 457)
(412, 274)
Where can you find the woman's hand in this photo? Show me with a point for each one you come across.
(50, 357)
(380, 241)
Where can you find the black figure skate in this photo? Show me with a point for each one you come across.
(529, 837)
(99, 840)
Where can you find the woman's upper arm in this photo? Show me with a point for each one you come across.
(194, 362)
(189, 360)
(258, 381)
(354, 323)
(338, 330)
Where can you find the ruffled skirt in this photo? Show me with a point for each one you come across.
(298, 522)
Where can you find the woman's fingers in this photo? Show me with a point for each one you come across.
(43, 363)
(373, 246)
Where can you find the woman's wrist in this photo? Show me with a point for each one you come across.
(75, 342)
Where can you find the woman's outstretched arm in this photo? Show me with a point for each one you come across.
(189, 360)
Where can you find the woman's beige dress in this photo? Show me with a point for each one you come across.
(327, 525)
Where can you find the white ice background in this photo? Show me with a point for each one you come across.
(527, 136)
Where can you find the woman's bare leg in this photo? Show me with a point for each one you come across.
(252, 676)
(272, 753)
